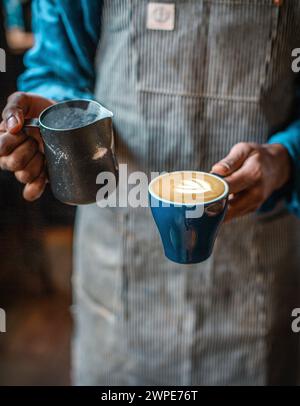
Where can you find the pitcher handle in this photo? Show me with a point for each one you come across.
(31, 123)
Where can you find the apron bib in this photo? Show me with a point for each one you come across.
(182, 97)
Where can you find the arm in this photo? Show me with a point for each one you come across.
(290, 139)
(260, 176)
(59, 67)
(61, 64)
(17, 38)
(13, 14)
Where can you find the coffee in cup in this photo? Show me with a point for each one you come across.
(188, 187)
(188, 208)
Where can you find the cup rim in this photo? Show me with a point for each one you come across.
(74, 128)
(221, 197)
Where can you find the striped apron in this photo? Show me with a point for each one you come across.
(182, 97)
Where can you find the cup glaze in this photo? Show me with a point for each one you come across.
(188, 232)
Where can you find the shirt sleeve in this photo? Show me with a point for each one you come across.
(61, 64)
(290, 139)
(13, 14)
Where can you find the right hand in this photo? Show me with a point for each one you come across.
(23, 153)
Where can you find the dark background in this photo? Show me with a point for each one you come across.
(35, 268)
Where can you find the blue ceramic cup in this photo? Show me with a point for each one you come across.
(188, 231)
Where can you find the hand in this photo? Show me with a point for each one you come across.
(18, 40)
(23, 153)
(253, 172)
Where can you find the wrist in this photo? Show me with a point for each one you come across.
(283, 164)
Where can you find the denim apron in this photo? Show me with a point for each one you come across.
(211, 74)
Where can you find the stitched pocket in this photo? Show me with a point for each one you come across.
(218, 48)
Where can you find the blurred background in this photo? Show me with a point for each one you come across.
(35, 250)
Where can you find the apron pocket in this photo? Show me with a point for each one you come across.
(218, 48)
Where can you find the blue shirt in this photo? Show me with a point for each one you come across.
(61, 66)
(13, 14)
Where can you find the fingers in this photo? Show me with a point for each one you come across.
(33, 169)
(244, 203)
(19, 152)
(8, 142)
(35, 189)
(247, 176)
(234, 160)
(29, 167)
(20, 157)
(22, 105)
(15, 111)
(245, 170)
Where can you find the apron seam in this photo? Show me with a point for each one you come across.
(223, 97)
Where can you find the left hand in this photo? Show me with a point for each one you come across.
(253, 172)
(18, 40)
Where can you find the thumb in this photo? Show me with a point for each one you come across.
(14, 112)
(234, 160)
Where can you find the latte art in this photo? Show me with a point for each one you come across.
(188, 187)
(192, 186)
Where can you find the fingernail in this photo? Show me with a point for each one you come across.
(11, 122)
(225, 165)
